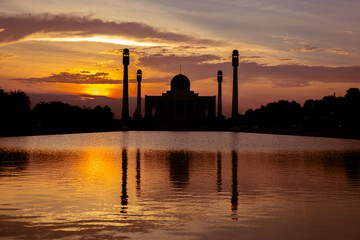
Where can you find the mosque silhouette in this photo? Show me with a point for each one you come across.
(180, 103)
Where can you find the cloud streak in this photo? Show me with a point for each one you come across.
(78, 78)
(306, 47)
(5, 56)
(309, 48)
(15, 28)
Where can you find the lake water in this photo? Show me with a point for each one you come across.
(179, 185)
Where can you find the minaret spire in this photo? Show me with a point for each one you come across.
(125, 106)
(138, 106)
(235, 64)
(219, 79)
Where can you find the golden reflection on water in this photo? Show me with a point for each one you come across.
(119, 192)
(98, 165)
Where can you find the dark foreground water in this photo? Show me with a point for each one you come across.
(179, 185)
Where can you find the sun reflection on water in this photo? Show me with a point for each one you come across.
(99, 166)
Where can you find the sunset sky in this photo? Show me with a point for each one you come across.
(72, 50)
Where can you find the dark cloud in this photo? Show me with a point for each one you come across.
(294, 75)
(285, 59)
(158, 51)
(251, 57)
(119, 51)
(284, 75)
(188, 48)
(19, 26)
(79, 78)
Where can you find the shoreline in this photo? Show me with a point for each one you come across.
(327, 133)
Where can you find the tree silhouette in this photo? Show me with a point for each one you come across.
(104, 115)
(14, 109)
(59, 115)
(334, 112)
(329, 112)
(352, 107)
(353, 94)
(277, 114)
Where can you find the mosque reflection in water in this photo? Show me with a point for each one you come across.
(179, 165)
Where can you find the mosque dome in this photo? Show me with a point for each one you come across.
(180, 82)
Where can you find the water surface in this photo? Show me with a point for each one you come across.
(179, 185)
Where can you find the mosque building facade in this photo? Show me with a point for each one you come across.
(180, 103)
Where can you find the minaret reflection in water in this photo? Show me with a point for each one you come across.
(138, 172)
(218, 176)
(234, 196)
(124, 196)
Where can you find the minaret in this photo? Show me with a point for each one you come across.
(138, 106)
(219, 79)
(235, 64)
(125, 107)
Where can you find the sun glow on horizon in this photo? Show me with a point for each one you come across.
(99, 38)
(97, 90)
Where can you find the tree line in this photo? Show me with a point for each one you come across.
(329, 112)
(17, 117)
